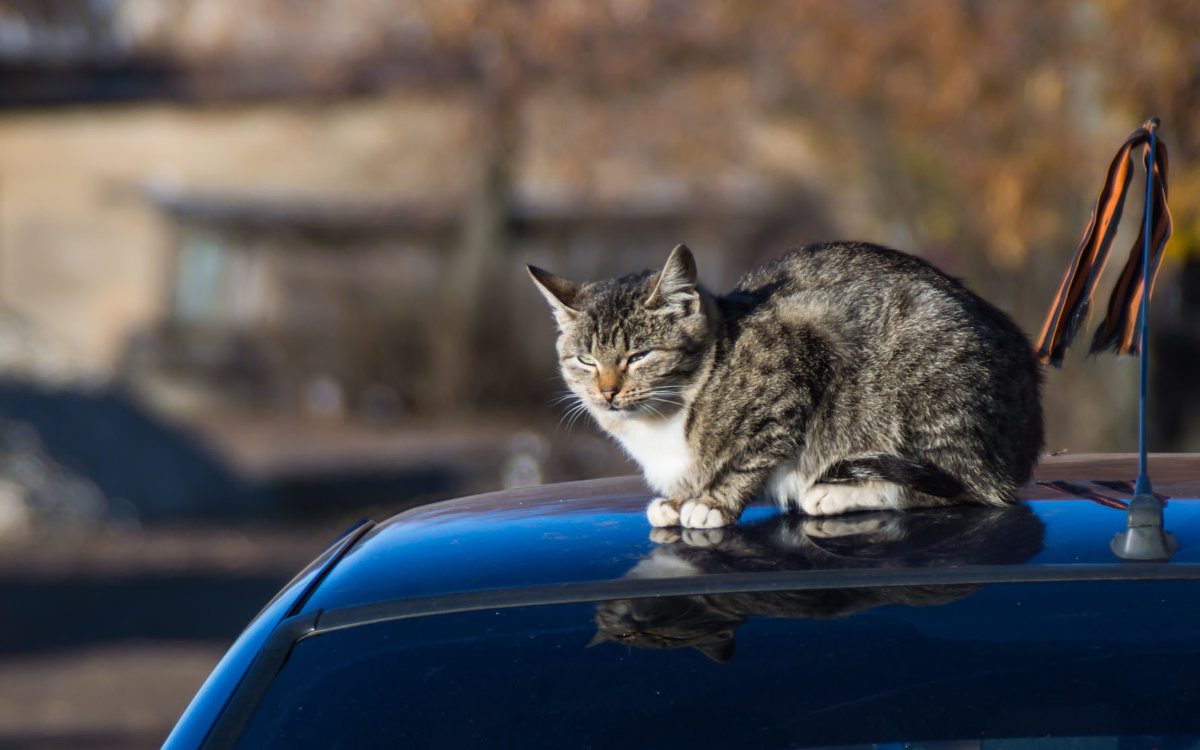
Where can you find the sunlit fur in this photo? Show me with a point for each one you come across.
(800, 384)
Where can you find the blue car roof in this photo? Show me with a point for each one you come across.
(596, 531)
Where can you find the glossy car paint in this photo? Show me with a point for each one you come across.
(201, 714)
(562, 537)
(587, 531)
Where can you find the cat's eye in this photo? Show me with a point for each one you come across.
(586, 360)
(636, 356)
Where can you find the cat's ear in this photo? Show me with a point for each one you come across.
(598, 638)
(677, 285)
(719, 648)
(559, 292)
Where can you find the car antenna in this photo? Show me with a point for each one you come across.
(1124, 328)
(1144, 537)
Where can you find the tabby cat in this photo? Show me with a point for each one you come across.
(842, 377)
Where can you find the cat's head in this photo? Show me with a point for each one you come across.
(631, 346)
(665, 623)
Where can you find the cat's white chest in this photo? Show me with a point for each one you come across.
(659, 446)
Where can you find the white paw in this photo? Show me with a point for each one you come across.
(702, 537)
(697, 514)
(668, 535)
(662, 512)
(830, 499)
(885, 524)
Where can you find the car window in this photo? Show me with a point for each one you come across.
(1007, 661)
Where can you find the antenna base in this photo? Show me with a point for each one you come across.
(1145, 539)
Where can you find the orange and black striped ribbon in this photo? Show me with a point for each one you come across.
(1118, 330)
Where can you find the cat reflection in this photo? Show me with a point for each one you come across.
(933, 537)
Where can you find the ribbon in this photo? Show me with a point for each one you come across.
(1118, 331)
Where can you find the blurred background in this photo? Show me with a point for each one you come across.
(262, 261)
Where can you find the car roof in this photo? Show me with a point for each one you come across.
(596, 531)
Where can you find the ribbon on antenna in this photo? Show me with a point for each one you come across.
(1119, 330)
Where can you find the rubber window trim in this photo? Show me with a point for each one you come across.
(729, 583)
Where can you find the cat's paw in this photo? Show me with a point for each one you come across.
(665, 535)
(663, 511)
(690, 537)
(882, 525)
(702, 537)
(704, 513)
(829, 499)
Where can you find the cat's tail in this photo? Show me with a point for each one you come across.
(906, 472)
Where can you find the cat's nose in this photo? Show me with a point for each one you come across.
(608, 383)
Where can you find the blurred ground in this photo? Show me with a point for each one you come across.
(111, 626)
(85, 663)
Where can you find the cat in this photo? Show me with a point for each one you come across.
(841, 377)
(921, 538)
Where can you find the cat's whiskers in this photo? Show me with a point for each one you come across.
(650, 408)
(564, 396)
(644, 399)
(665, 400)
(669, 394)
(575, 413)
(572, 414)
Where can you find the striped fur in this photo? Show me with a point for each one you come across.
(841, 377)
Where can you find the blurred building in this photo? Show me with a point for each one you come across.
(217, 231)
(328, 206)
(270, 300)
